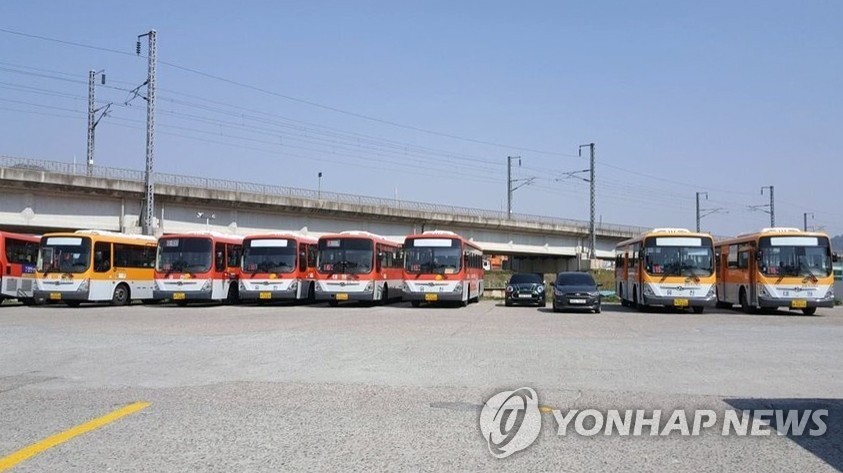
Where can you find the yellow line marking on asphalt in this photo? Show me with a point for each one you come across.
(26, 453)
(542, 409)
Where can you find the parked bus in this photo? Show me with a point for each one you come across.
(670, 267)
(198, 266)
(442, 266)
(278, 266)
(18, 254)
(357, 266)
(776, 267)
(95, 266)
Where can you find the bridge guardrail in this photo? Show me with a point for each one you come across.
(308, 194)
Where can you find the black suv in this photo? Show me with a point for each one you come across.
(576, 291)
(525, 288)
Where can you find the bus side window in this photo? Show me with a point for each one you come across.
(311, 256)
(302, 257)
(102, 257)
(233, 255)
(219, 257)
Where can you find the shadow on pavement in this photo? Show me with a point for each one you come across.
(828, 446)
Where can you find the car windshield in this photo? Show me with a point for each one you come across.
(64, 254)
(433, 256)
(526, 278)
(575, 279)
(345, 256)
(277, 255)
(794, 256)
(184, 254)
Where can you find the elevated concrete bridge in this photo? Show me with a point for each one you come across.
(39, 196)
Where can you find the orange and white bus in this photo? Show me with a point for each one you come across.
(198, 266)
(278, 266)
(670, 267)
(442, 266)
(357, 266)
(95, 266)
(18, 255)
(776, 267)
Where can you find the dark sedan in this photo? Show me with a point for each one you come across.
(576, 291)
(525, 288)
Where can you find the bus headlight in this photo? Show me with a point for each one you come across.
(648, 290)
(294, 285)
(83, 286)
(318, 287)
(829, 294)
(369, 287)
(206, 286)
(458, 288)
(762, 291)
(242, 286)
(711, 291)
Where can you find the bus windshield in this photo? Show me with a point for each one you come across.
(345, 256)
(184, 255)
(64, 255)
(679, 256)
(794, 256)
(433, 256)
(276, 255)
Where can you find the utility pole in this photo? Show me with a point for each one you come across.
(805, 220)
(772, 204)
(509, 181)
(149, 201)
(319, 188)
(93, 121)
(591, 230)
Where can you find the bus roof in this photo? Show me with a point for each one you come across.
(224, 237)
(107, 236)
(359, 234)
(664, 232)
(20, 236)
(443, 234)
(265, 236)
(770, 231)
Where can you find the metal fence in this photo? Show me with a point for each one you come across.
(74, 169)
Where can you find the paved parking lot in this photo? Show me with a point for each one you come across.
(272, 388)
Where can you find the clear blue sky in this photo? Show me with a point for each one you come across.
(679, 97)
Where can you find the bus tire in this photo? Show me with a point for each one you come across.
(745, 307)
(635, 299)
(385, 295)
(809, 310)
(311, 293)
(121, 295)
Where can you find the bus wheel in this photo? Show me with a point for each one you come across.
(384, 295)
(73, 303)
(698, 309)
(415, 303)
(121, 295)
(745, 303)
(809, 310)
(311, 293)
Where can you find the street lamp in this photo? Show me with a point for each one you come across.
(319, 189)
(207, 217)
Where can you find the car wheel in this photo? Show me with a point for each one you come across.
(508, 303)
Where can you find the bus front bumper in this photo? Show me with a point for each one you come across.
(252, 295)
(409, 296)
(794, 304)
(177, 296)
(710, 301)
(345, 296)
(58, 296)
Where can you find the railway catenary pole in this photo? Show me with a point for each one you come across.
(148, 214)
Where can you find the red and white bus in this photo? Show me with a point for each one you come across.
(197, 266)
(18, 255)
(278, 266)
(442, 266)
(357, 266)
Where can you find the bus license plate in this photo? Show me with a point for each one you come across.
(55, 296)
(431, 297)
(178, 296)
(342, 297)
(265, 295)
(799, 304)
(680, 302)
